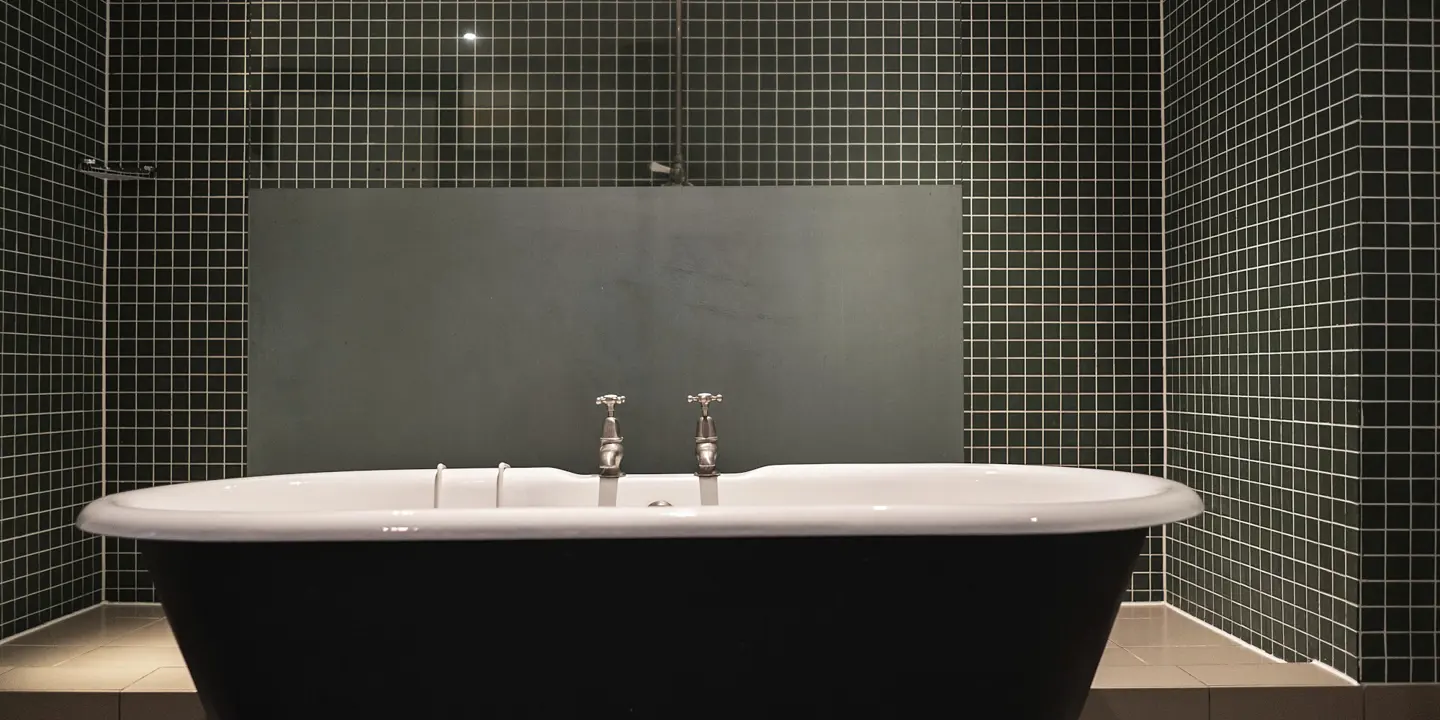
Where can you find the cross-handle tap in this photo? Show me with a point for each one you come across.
(612, 451)
(705, 399)
(707, 444)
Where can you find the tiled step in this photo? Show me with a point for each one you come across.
(1366, 702)
(120, 662)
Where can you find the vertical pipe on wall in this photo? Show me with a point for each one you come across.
(677, 82)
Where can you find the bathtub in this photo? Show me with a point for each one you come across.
(880, 591)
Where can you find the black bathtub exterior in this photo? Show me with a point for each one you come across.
(726, 628)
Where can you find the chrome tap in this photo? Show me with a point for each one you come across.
(706, 442)
(611, 449)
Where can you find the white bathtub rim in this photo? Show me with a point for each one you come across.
(113, 516)
(613, 523)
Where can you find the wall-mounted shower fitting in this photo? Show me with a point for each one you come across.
(95, 168)
(676, 169)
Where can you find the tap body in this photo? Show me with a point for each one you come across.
(707, 446)
(612, 448)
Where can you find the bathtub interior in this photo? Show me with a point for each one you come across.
(775, 486)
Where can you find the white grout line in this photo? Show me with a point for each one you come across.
(104, 543)
(152, 672)
(1348, 680)
(1164, 317)
(42, 626)
(58, 620)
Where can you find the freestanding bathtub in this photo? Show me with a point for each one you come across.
(809, 591)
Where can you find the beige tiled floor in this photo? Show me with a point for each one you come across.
(1162, 665)
(1159, 665)
(1155, 646)
(115, 662)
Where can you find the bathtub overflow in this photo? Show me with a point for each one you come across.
(660, 503)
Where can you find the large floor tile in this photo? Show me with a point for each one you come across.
(1148, 611)
(28, 656)
(1200, 655)
(1119, 657)
(157, 635)
(111, 655)
(165, 679)
(1143, 676)
(1272, 675)
(147, 705)
(57, 679)
(1420, 701)
(89, 629)
(137, 610)
(1287, 703)
(1147, 704)
(59, 706)
(1168, 631)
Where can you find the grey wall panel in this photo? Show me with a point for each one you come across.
(401, 328)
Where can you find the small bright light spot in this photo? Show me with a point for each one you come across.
(470, 36)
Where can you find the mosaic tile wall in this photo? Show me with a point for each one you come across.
(1301, 151)
(51, 318)
(1051, 110)
(175, 350)
(1262, 385)
(1400, 563)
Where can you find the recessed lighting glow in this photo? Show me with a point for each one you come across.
(470, 36)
